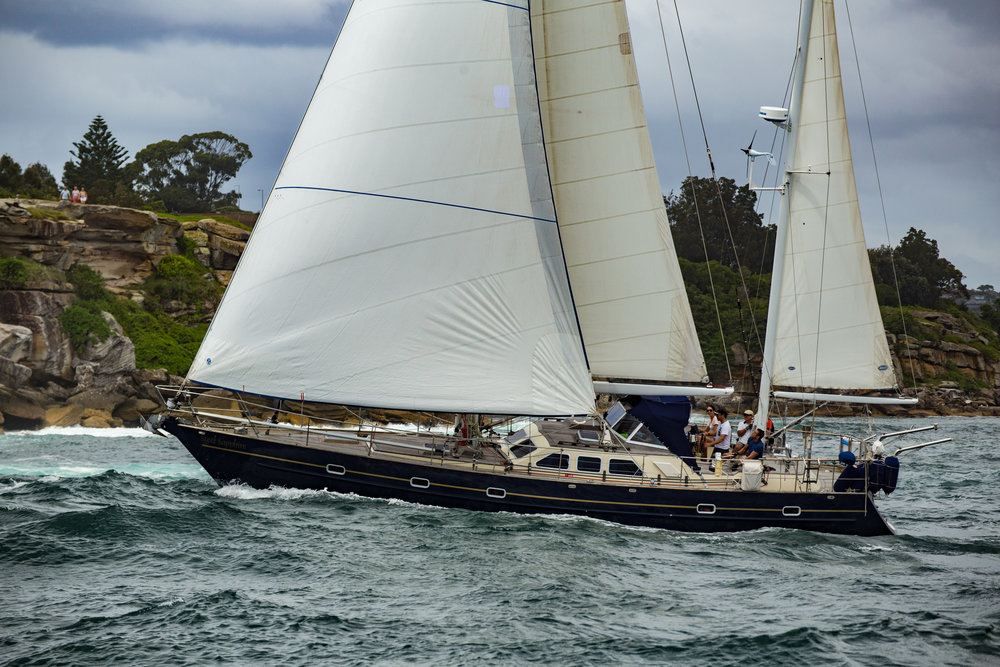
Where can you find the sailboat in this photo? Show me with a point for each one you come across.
(468, 230)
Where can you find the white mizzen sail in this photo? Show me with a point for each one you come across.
(627, 284)
(828, 331)
(408, 256)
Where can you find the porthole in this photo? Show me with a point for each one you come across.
(334, 469)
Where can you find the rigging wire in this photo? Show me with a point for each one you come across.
(725, 215)
(680, 123)
(881, 198)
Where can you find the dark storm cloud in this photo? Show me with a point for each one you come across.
(132, 25)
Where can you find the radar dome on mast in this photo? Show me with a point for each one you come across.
(776, 115)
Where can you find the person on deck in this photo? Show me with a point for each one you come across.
(724, 434)
(708, 433)
(755, 445)
(743, 433)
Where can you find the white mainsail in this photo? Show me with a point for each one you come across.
(824, 325)
(408, 256)
(627, 285)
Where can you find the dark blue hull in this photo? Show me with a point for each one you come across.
(258, 463)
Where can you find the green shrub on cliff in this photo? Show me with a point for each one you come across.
(83, 323)
(17, 272)
(46, 213)
(181, 278)
(88, 283)
(900, 321)
(159, 341)
(14, 273)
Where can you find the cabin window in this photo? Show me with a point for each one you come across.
(623, 467)
(525, 448)
(588, 464)
(555, 461)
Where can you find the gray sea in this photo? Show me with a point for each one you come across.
(116, 548)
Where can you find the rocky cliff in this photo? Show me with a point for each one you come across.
(43, 380)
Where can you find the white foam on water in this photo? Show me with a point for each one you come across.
(55, 472)
(244, 492)
(52, 473)
(4, 488)
(85, 430)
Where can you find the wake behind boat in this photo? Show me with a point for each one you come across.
(469, 222)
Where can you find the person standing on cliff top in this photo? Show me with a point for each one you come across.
(83, 195)
(63, 194)
(76, 194)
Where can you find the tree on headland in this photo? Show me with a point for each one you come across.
(39, 182)
(922, 274)
(11, 179)
(99, 165)
(186, 175)
(36, 182)
(715, 204)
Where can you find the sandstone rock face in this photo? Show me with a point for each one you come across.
(49, 354)
(43, 381)
(13, 374)
(225, 243)
(15, 342)
(119, 243)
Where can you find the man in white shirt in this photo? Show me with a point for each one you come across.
(743, 432)
(724, 433)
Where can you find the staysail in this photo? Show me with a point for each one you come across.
(408, 256)
(824, 325)
(627, 285)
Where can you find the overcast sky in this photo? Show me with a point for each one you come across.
(158, 70)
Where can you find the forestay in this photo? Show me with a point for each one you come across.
(408, 256)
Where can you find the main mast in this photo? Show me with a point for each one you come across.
(781, 237)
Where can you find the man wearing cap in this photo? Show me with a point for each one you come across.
(743, 432)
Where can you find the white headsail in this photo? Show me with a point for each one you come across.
(824, 325)
(408, 256)
(627, 284)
